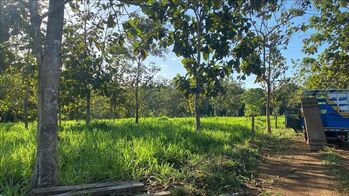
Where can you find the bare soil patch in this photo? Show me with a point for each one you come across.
(297, 171)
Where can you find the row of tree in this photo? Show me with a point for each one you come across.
(156, 97)
(101, 61)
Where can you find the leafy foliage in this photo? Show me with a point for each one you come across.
(213, 38)
(229, 101)
(330, 68)
(254, 100)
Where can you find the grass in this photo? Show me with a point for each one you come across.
(166, 154)
(335, 162)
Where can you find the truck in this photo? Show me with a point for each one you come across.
(323, 117)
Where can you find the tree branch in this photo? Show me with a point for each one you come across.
(52, 11)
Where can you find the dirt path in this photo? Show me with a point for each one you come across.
(297, 171)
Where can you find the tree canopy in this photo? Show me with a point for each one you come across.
(327, 65)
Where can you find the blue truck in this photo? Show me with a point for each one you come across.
(334, 113)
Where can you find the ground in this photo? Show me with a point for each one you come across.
(294, 170)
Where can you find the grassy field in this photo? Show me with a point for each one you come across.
(166, 154)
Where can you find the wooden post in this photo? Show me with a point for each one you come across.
(276, 119)
(252, 130)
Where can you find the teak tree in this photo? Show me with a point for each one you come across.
(142, 35)
(228, 102)
(274, 24)
(253, 100)
(330, 68)
(212, 37)
(12, 23)
(48, 59)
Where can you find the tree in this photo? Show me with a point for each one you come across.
(254, 101)
(17, 94)
(228, 101)
(143, 80)
(28, 73)
(115, 85)
(203, 33)
(83, 68)
(274, 23)
(48, 59)
(92, 38)
(142, 32)
(328, 68)
(164, 99)
(288, 95)
(12, 23)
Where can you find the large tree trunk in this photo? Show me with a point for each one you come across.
(46, 168)
(26, 101)
(88, 109)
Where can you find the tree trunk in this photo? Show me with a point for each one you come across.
(252, 130)
(196, 75)
(137, 106)
(276, 119)
(59, 114)
(267, 112)
(38, 52)
(25, 104)
(46, 169)
(137, 90)
(76, 113)
(111, 111)
(268, 108)
(197, 112)
(88, 109)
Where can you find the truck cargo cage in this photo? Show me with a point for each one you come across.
(334, 113)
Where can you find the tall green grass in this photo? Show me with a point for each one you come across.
(161, 152)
